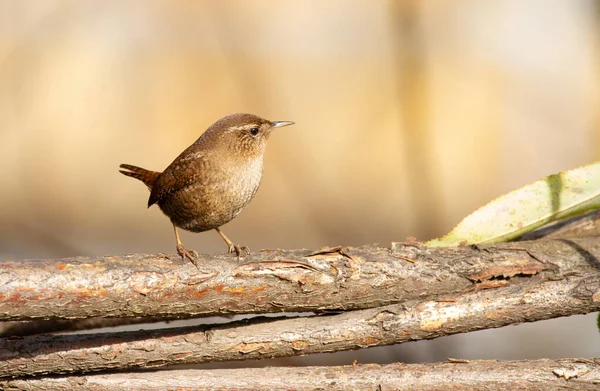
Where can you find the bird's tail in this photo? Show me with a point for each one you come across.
(146, 176)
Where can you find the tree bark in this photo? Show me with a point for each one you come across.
(547, 375)
(504, 302)
(273, 281)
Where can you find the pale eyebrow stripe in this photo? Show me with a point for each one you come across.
(244, 127)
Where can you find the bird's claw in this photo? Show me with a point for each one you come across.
(189, 254)
(238, 250)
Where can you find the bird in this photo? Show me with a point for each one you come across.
(212, 180)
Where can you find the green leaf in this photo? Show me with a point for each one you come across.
(559, 196)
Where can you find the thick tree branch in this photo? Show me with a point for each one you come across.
(547, 375)
(512, 301)
(272, 281)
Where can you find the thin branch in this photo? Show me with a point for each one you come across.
(511, 301)
(271, 281)
(577, 227)
(548, 375)
(21, 329)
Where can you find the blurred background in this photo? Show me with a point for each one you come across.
(409, 115)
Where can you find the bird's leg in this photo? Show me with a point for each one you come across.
(232, 248)
(183, 253)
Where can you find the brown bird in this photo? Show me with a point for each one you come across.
(210, 182)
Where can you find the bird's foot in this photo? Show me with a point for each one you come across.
(238, 250)
(189, 254)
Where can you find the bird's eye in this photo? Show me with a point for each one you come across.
(254, 131)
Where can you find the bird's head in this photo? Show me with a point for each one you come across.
(243, 135)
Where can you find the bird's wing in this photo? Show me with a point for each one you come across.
(184, 171)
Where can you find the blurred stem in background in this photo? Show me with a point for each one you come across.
(410, 56)
(595, 135)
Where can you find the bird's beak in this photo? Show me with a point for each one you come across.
(281, 124)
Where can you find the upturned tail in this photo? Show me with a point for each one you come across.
(146, 176)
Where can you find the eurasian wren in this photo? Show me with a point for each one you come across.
(210, 182)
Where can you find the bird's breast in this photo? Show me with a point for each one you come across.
(243, 184)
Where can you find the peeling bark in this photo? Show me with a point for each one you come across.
(547, 375)
(275, 280)
(519, 299)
